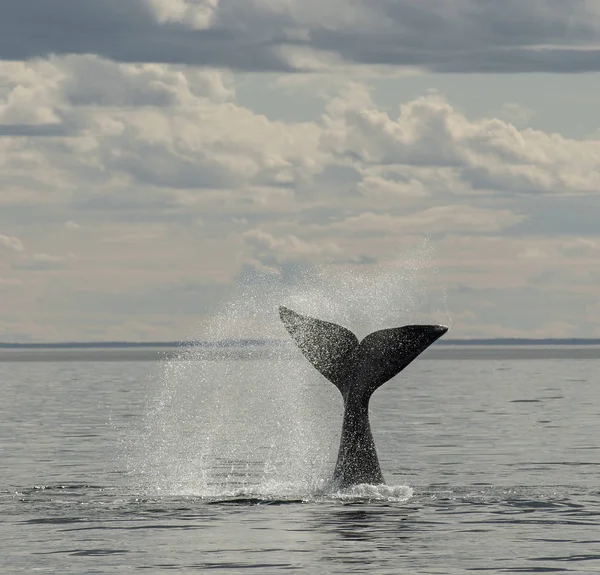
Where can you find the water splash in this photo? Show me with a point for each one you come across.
(220, 425)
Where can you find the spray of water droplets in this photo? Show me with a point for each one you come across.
(258, 420)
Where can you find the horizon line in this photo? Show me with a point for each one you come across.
(265, 342)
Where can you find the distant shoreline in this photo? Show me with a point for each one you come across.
(512, 342)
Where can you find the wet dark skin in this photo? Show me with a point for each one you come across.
(357, 369)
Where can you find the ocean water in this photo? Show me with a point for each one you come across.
(491, 457)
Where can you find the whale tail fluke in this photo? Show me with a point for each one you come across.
(361, 367)
(357, 369)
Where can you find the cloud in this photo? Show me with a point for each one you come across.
(432, 145)
(473, 36)
(12, 243)
(433, 221)
(95, 81)
(267, 250)
(153, 126)
(270, 35)
(161, 139)
(133, 31)
(379, 187)
(71, 225)
(198, 15)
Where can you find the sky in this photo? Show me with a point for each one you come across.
(156, 153)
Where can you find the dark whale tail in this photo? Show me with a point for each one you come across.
(357, 369)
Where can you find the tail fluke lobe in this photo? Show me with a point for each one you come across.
(385, 353)
(326, 345)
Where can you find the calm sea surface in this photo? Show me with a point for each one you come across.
(492, 462)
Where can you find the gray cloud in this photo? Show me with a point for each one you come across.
(126, 32)
(31, 130)
(474, 36)
(437, 35)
